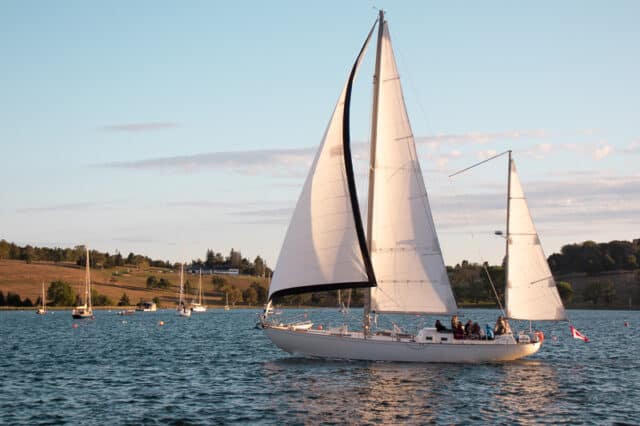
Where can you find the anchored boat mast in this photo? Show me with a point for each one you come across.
(372, 164)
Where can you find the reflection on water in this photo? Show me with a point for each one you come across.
(338, 391)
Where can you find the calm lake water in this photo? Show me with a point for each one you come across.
(216, 368)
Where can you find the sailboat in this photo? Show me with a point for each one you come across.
(398, 262)
(85, 311)
(342, 308)
(199, 306)
(226, 305)
(182, 309)
(42, 309)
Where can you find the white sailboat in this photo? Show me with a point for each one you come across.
(226, 305)
(182, 310)
(86, 310)
(199, 306)
(43, 308)
(398, 261)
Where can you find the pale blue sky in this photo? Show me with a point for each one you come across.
(167, 128)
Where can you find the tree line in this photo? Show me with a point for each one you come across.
(59, 293)
(97, 259)
(592, 258)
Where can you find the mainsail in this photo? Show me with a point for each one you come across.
(531, 292)
(324, 248)
(405, 252)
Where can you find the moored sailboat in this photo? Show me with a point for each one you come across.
(182, 310)
(43, 307)
(398, 261)
(199, 305)
(85, 311)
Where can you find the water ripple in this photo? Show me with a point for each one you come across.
(214, 368)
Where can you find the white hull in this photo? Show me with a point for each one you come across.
(82, 313)
(183, 312)
(198, 308)
(353, 346)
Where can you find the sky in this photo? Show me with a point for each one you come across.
(167, 128)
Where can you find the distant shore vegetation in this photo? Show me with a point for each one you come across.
(588, 274)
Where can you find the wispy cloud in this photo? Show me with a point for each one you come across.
(138, 127)
(633, 148)
(69, 207)
(279, 162)
(595, 199)
(603, 150)
(480, 138)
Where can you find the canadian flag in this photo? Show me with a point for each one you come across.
(577, 335)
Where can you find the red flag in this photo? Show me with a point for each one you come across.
(577, 335)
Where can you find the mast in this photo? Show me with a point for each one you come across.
(506, 256)
(87, 283)
(181, 282)
(200, 288)
(372, 161)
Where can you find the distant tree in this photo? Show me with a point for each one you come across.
(259, 267)
(28, 254)
(188, 287)
(211, 259)
(250, 296)
(218, 282)
(13, 299)
(608, 292)
(261, 292)
(235, 259)
(565, 290)
(164, 283)
(4, 250)
(2, 301)
(124, 300)
(100, 299)
(27, 303)
(152, 281)
(235, 294)
(118, 260)
(60, 293)
(156, 300)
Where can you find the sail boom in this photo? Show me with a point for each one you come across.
(319, 287)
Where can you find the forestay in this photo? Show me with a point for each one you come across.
(531, 292)
(405, 251)
(321, 250)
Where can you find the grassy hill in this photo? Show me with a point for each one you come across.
(26, 280)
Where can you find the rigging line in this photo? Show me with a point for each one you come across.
(479, 163)
(484, 265)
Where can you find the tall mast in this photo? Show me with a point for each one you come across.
(87, 283)
(506, 257)
(200, 288)
(372, 160)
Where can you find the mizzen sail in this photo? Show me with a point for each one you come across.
(531, 292)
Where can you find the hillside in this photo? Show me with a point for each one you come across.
(26, 280)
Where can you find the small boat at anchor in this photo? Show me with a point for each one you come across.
(43, 307)
(85, 311)
(182, 310)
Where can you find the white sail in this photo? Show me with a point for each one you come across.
(531, 292)
(405, 251)
(321, 249)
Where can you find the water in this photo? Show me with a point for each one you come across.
(216, 368)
